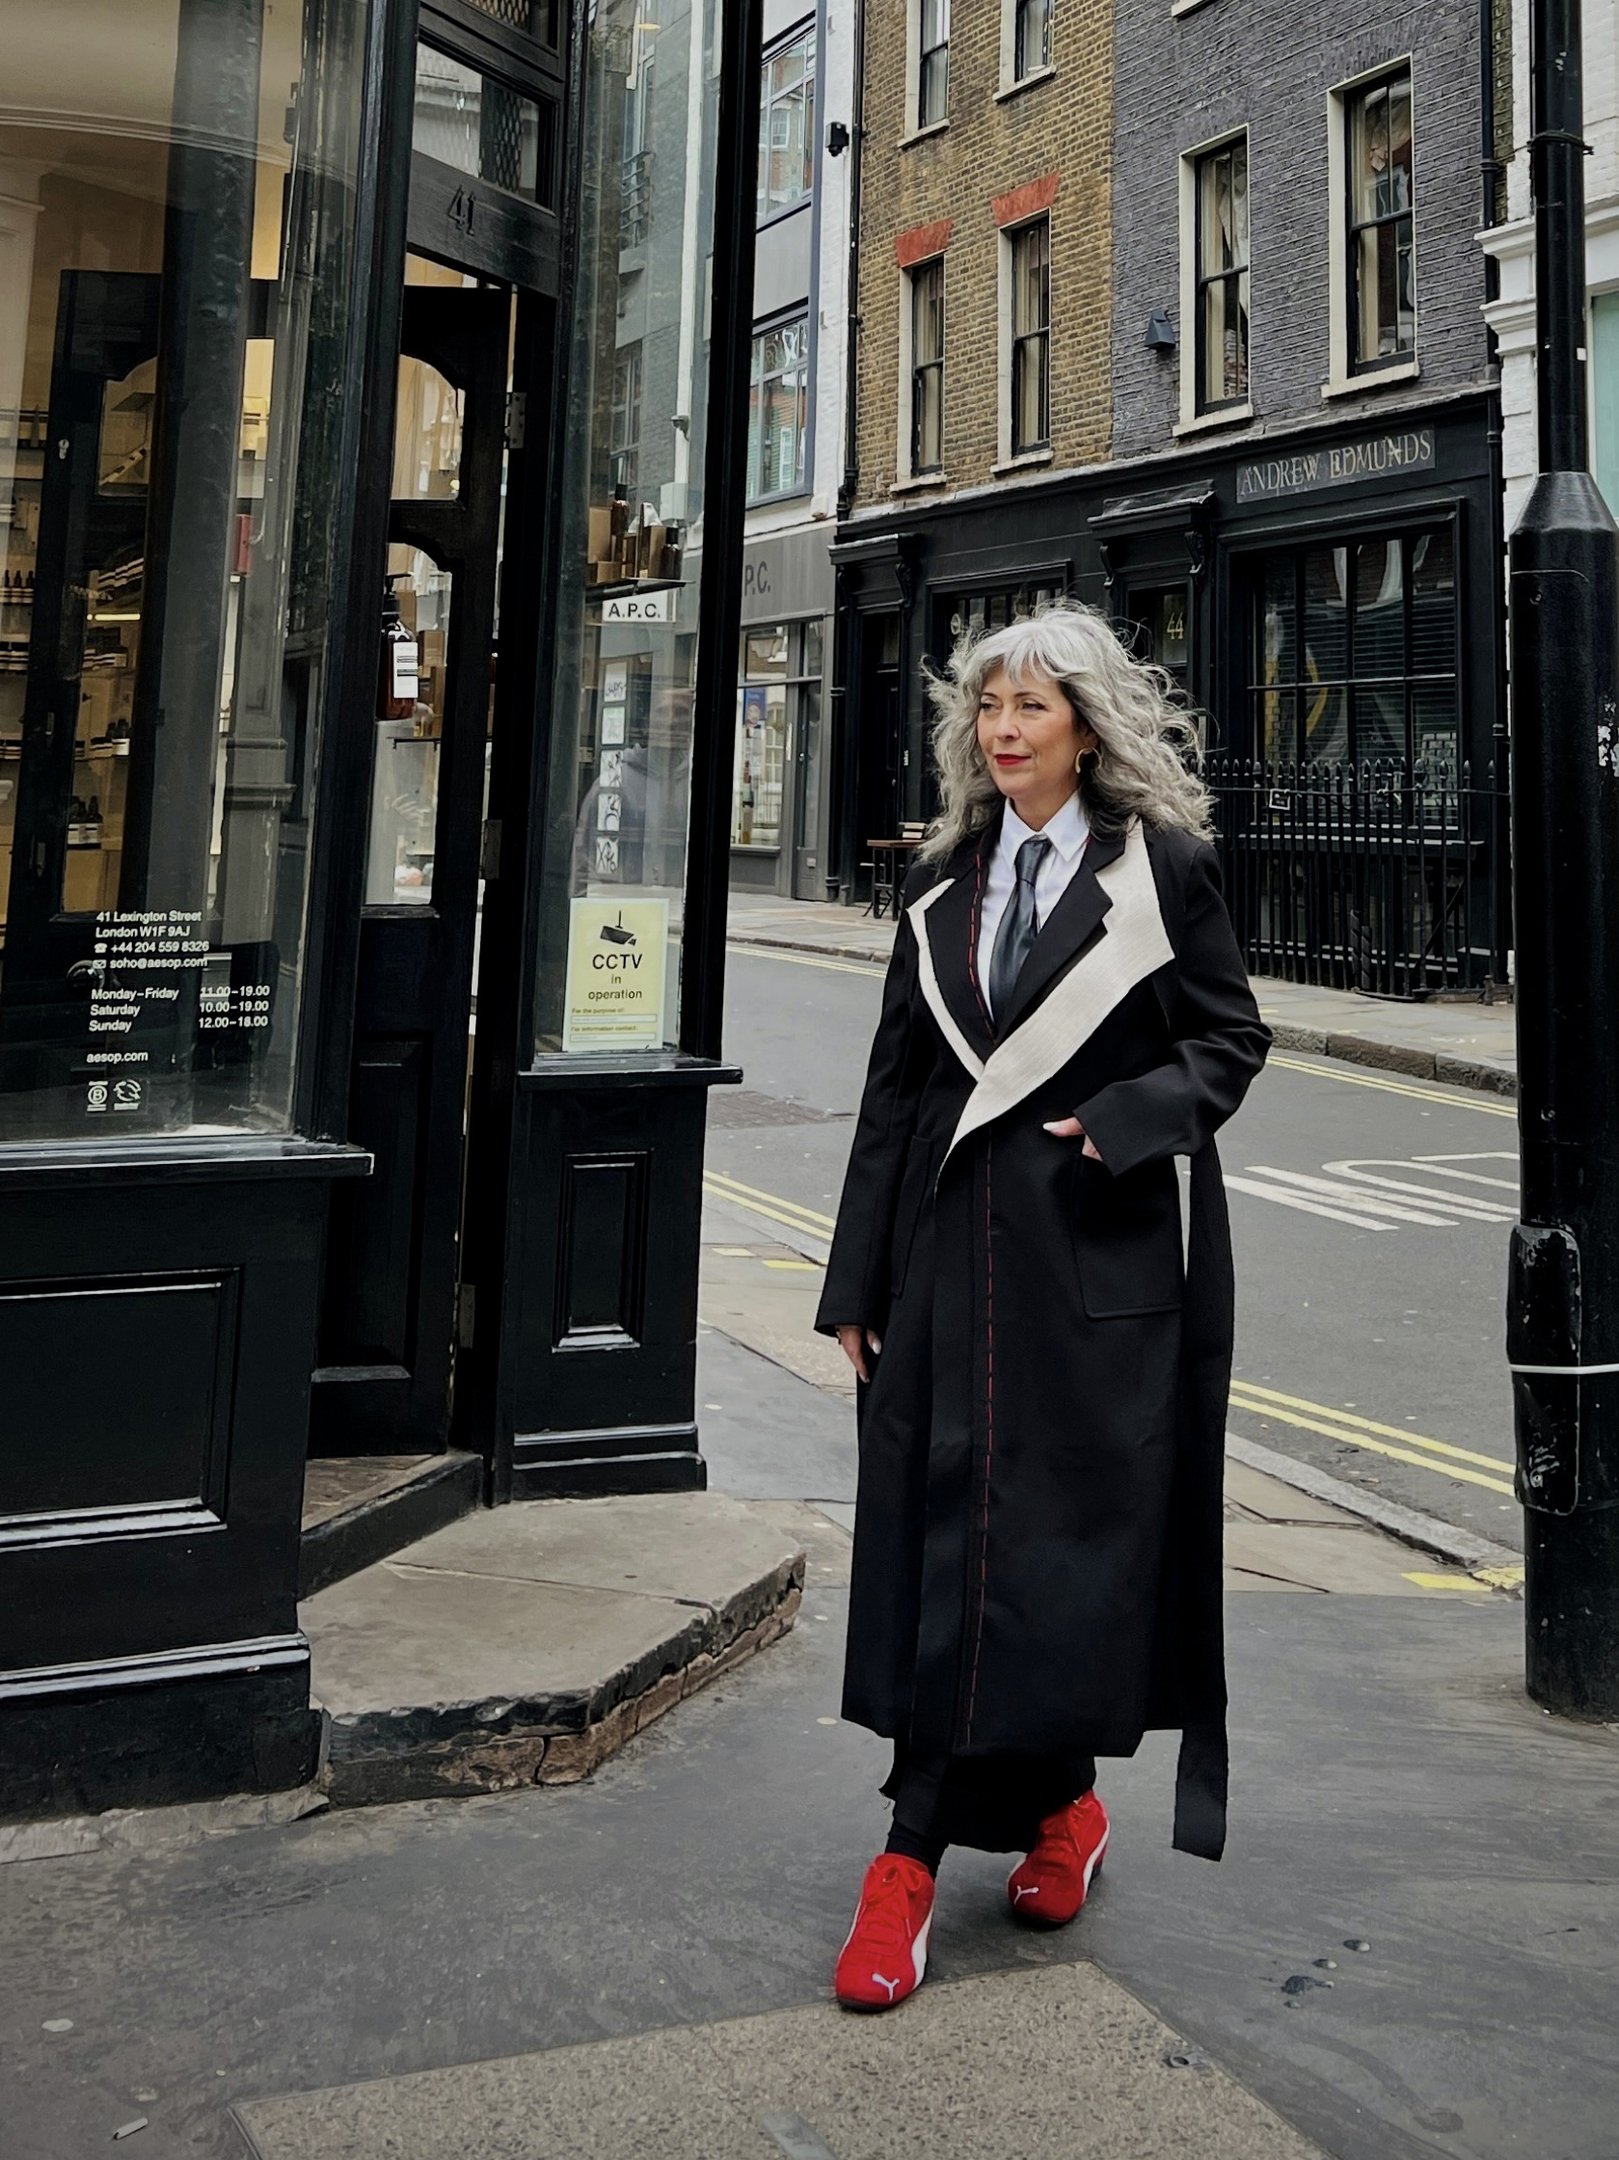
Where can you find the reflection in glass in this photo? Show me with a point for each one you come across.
(404, 772)
(1382, 199)
(778, 409)
(787, 124)
(1222, 275)
(620, 743)
(477, 125)
(427, 434)
(1031, 336)
(173, 317)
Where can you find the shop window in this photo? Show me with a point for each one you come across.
(1221, 241)
(778, 706)
(172, 305)
(975, 612)
(778, 410)
(619, 755)
(1380, 290)
(931, 34)
(787, 125)
(1028, 304)
(1353, 653)
(926, 283)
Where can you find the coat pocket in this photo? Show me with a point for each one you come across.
(915, 1193)
(1127, 1240)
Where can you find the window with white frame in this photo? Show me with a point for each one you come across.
(926, 283)
(1380, 297)
(1220, 196)
(1031, 36)
(1027, 262)
(624, 445)
(787, 124)
(932, 61)
(778, 409)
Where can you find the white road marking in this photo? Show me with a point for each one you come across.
(1361, 1192)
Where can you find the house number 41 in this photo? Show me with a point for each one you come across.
(463, 206)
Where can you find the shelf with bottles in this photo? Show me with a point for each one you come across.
(632, 551)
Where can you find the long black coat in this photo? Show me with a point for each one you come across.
(1037, 1564)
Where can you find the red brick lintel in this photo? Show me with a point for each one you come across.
(922, 241)
(1026, 201)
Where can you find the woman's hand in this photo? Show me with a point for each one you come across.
(853, 1342)
(1069, 1128)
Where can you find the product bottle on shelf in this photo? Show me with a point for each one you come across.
(399, 674)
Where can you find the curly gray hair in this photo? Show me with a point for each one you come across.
(1146, 746)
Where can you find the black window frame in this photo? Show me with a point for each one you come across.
(1026, 15)
(932, 62)
(933, 267)
(1235, 277)
(1354, 102)
(1022, 341)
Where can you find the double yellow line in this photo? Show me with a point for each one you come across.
(1452, 1099)
(1490, 1472)
(809, 1222)
(1394, 1441)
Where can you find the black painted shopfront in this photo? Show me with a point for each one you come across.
(365, 793)
(1329, 604)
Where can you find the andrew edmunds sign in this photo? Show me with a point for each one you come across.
(1370, 457)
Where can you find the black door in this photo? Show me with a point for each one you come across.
(878, 734)
(385, 1376)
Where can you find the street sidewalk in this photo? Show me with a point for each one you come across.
(1406, 1950)
(1462, 1040)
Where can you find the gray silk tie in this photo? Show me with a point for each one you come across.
(1020, 926)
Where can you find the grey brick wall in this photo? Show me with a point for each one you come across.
(1270, 64)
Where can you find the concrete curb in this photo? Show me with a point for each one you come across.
(807, 945)
(1415, 1064)
(1480, 1074)
(1462, 1548)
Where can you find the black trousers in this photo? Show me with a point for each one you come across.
(994, 1803)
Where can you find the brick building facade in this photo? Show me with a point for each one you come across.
(1001, 155)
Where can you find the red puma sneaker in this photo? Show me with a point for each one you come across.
(887, 1951)
(1049, 1887)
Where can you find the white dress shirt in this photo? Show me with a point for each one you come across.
(1068, 832)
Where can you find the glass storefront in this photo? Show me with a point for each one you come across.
(778, 723)
(176, 227)
(1353, 652)
(631, 534)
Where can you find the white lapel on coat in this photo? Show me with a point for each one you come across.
(1133, 945)
(928, 977)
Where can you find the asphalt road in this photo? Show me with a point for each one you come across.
(1370, 1216)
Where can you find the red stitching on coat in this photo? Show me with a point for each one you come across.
(989, 1437)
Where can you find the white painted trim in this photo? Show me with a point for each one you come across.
(1221, 416)
(927, 976)
(1134, 944)
(1011, 83)
(904, 478)
(1402, 371)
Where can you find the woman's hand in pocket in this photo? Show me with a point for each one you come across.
(854, 1342)
(1069, 1128)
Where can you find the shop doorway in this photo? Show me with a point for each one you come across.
(455, 670)
(878, 743)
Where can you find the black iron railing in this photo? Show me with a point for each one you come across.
(1378, 876)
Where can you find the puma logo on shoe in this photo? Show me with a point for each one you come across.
(1024, 1890)
(883, 1981)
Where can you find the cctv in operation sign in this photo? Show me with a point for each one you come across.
(618, 964)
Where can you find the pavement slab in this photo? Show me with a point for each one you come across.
(523, 1645)
(1062, 2064)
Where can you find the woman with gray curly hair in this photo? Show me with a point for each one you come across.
(1043, 1362)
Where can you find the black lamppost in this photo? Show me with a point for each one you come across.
(1563, 1293)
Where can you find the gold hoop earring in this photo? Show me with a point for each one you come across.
(1079, 762)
